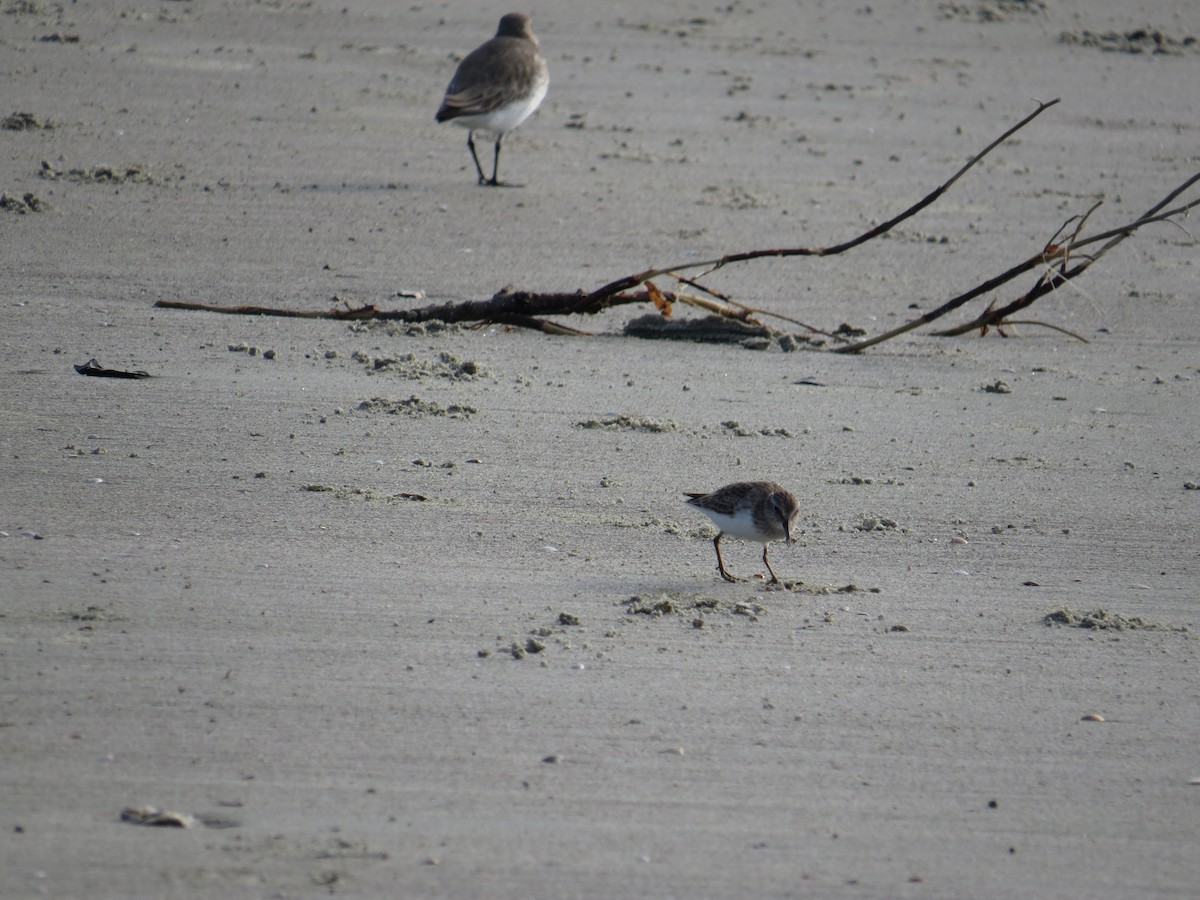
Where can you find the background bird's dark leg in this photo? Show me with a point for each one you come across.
(495, 163)
(471, 147)
(767, 563)
(720, 564)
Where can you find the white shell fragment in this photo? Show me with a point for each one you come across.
(155, 817)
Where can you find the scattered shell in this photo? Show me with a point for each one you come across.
(958, 539)
(153, 816)
(1092, 717)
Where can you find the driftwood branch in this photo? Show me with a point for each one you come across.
(1059, 261)
(518, 308)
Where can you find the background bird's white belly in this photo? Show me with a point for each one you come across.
(506, 118)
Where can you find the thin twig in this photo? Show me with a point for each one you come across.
(632, 281)
(1068, 332)
(743, 311)
(1113, 237)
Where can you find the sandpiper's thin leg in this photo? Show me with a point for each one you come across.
(474, 158)
(767, 563)
(720, 564)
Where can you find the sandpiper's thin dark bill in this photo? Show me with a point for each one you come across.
(760, 511)
(496, 87)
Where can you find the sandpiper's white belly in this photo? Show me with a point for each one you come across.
(741, 526)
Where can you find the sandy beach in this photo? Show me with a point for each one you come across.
(417, 610)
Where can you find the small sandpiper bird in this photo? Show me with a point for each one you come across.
(497, 87)
(761, 511)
